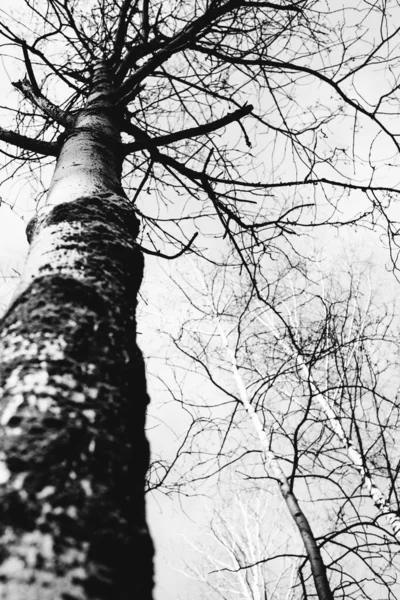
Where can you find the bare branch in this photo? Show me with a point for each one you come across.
(179, 42)
(162, 255)
(186, 133)
(47, 108)
(27, 143)
(29, 68)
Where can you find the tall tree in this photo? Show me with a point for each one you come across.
(271, 462)
(166, 78)
(315, 373)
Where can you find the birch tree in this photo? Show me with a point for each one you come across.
(314, 369)
(239, 534)
(158, 93)
(272, 464)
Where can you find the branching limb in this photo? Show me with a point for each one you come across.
(123, 22)
(282, 66)
(185, 134)
(183, 39)
(44, 104)
(27, 143)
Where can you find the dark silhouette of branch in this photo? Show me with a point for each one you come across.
(27, 143)
(182, 135)
(47, 108)
(162, 255)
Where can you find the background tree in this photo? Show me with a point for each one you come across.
(239, 534)
(321, 384)
(157, 92)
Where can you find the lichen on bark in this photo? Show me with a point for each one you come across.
(73, 449)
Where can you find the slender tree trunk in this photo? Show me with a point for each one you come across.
(73, 453)
(272, 465)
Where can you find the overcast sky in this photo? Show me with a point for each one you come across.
(172, 518)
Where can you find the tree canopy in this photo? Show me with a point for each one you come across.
(259, 113)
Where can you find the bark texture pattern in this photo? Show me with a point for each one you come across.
(73, 450)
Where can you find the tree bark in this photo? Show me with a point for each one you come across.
(73, 453)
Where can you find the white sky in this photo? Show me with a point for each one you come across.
(167, 519)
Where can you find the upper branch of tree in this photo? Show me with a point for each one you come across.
(123, 21)
(27, 143)
(182, 135)
(282, 66)
(296, 7)
(29, 69)
(185, 248)
(55, 113)
(186, 66)
(192, 30)
(60, 71)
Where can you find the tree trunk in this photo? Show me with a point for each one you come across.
(73, 451)
(272, 465)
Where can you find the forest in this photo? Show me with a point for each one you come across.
(199, 336)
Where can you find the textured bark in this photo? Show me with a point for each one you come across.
(318, 568)
(73, 453)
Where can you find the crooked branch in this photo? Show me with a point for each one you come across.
(167, 256)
